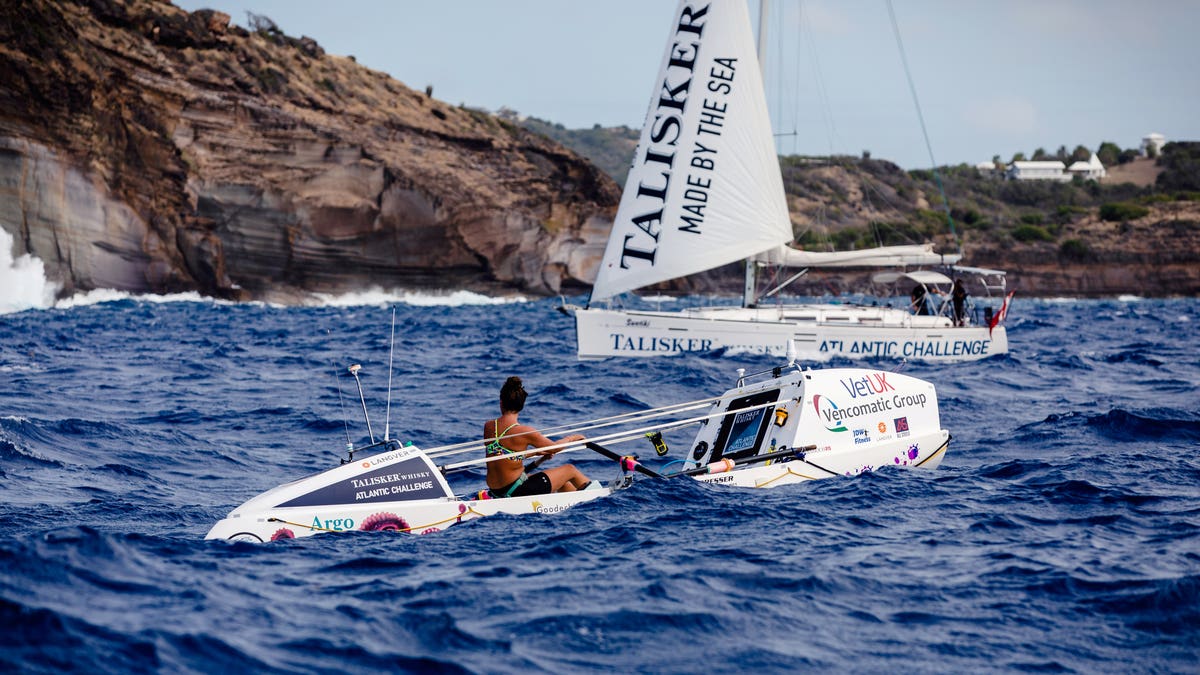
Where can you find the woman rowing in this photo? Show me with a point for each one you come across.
(507, 438)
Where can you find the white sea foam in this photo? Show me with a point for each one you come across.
(23, 286)
(378, 296)
(1129, 298)
(102, 295)
(23, 283)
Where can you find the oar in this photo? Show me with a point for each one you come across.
(727, 464)
(536, 463)
(637, 466)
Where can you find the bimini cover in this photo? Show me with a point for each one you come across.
(919, 276)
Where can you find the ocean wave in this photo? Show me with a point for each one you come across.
(1148, 425)
(105, 295)
(377, 297)
(23, 280)
(14, 456)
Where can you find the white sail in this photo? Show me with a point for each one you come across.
(705, 188)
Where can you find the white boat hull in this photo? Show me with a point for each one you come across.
(820, 333)
(419, 517)
(816, 465)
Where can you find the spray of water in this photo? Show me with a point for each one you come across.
(23, 283)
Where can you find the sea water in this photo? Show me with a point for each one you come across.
(1060, 534)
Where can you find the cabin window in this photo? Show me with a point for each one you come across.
(742, 431)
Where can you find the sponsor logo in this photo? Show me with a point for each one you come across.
(834, 415)
(386, 457)
(650, 343)
(655, 162)
(861, 436)
(335, 524)
(901, 426)
(882, 427)
(917, 348)
(875, 383)
(830, 412)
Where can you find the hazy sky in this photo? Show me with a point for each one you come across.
(993, 78)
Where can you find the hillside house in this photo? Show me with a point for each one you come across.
(989, 169)
(1089, 170)
(1156, 141)
(1038, 170)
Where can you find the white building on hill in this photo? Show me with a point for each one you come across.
(1091, 169)
(1039, 170)
(1156, 141)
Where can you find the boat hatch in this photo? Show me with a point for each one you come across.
(741, 433)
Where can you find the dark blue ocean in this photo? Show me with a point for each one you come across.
(1060, 535)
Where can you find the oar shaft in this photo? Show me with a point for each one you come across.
(623, 418)
(744, 461)
(615, 437)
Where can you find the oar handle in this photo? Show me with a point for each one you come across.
(536, 463)
(637, 466)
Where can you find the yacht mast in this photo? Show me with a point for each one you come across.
(750, 291)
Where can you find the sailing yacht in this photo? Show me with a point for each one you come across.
(705, 190)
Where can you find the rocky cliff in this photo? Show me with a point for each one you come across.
(147, 149)
(1051, 238)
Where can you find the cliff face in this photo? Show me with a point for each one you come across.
(147, 149)
(1155, 255)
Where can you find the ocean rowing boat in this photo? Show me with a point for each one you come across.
(778, 427)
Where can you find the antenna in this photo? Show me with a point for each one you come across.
(354, 371)
(387, 418)
(345, 424)
(791, 352)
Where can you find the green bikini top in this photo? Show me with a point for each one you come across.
(494, 448)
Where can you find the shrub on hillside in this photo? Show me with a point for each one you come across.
(967, 216)
(1122, 211)
(1038, 194)
(1074, 250)
(1066, 213)
(1181, 166)
(1028, 233)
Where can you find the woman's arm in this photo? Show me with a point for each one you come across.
(537, 440)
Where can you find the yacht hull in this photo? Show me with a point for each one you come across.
(819, 332)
